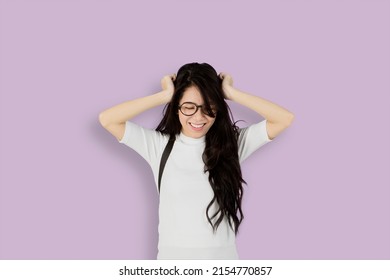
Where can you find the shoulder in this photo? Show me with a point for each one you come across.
(251, 138)
(141, 135)
(255, 131)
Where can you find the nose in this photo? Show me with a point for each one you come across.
(199, 114)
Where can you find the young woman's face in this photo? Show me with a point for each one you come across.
(197, 125)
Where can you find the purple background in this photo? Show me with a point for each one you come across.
(321, 190)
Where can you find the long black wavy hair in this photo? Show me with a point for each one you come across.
(220, 155)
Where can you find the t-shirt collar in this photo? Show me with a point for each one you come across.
(190, 140)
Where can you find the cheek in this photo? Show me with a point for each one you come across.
(182, 119)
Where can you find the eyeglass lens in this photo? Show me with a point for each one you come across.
(189, 109)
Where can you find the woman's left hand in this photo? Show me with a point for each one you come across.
(227, 85)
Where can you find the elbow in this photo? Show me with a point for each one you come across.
(103, 119)
(285, 121)
(289, 119)
(275, 128)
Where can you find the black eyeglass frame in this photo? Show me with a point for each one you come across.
(197, 108)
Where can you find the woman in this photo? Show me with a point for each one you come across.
(201, 184)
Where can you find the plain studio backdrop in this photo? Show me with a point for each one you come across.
(69, 190)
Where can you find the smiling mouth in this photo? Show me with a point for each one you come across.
(197, 126)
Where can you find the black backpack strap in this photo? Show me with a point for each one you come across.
(164, 158)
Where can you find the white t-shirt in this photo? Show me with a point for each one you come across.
(184, 231)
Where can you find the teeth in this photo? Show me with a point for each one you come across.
(197, 125)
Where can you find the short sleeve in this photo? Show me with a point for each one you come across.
(252, 138)
(147, 143)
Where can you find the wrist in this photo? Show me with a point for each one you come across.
(165, 96)
(228, 91)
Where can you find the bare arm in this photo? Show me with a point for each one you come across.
(114, 119)
(278, 118)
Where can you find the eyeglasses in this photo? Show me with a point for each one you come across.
(190, 109)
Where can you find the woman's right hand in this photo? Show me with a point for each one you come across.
(168, 86)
